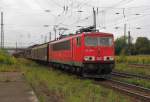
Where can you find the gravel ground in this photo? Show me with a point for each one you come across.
(13, 88)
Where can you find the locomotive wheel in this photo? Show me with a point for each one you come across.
(63, 67)
(73, 69)
(77, 70)
(81, 71)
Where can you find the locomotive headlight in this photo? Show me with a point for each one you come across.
(108, 58)
(111, 58)
(89, 58)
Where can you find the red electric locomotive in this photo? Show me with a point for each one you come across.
(88, 53)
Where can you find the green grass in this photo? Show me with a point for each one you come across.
(9, 68)
(125, 68)
(56, 86)
(136, 81)
(122, 66)
(139, 82)
(133, 59)
(68, 88)
(123, 61)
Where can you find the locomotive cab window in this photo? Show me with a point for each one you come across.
(98, 41)
(105, 41)
(78, 39)
(91, 41)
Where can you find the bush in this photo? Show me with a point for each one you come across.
(5, 58)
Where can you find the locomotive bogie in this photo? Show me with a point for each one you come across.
(98, 68)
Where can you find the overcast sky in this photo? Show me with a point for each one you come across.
(25, 19)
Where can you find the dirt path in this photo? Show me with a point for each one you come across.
(13, 88)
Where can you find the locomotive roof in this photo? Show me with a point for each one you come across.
(70, 36)
(80, 34)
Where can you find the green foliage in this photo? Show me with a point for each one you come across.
(133, 59)
(120, 45)
(120, 59)
(141, 46)
(5, 58)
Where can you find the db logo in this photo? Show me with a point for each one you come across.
(99, 58)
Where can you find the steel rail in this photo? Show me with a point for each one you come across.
(137, 92)
(130, 75)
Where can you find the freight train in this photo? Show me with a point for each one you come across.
(90, 54)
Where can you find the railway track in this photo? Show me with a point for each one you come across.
(137, 92)
(129, 75)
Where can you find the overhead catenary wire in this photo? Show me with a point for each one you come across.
(73, 6)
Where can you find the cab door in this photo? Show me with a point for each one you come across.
(77, 50)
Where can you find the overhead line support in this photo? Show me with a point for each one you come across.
(2, 31)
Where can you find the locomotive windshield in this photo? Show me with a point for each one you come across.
(98, 41)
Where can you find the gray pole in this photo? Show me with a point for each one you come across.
(55, 31)
(129, 42)
(125, 28)
(16, 47)
(94, 19)
(49, 36)
(45, 39)
(125, 25)
(2, 31)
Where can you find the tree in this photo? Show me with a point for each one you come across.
(121, 45)
(142, 45)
